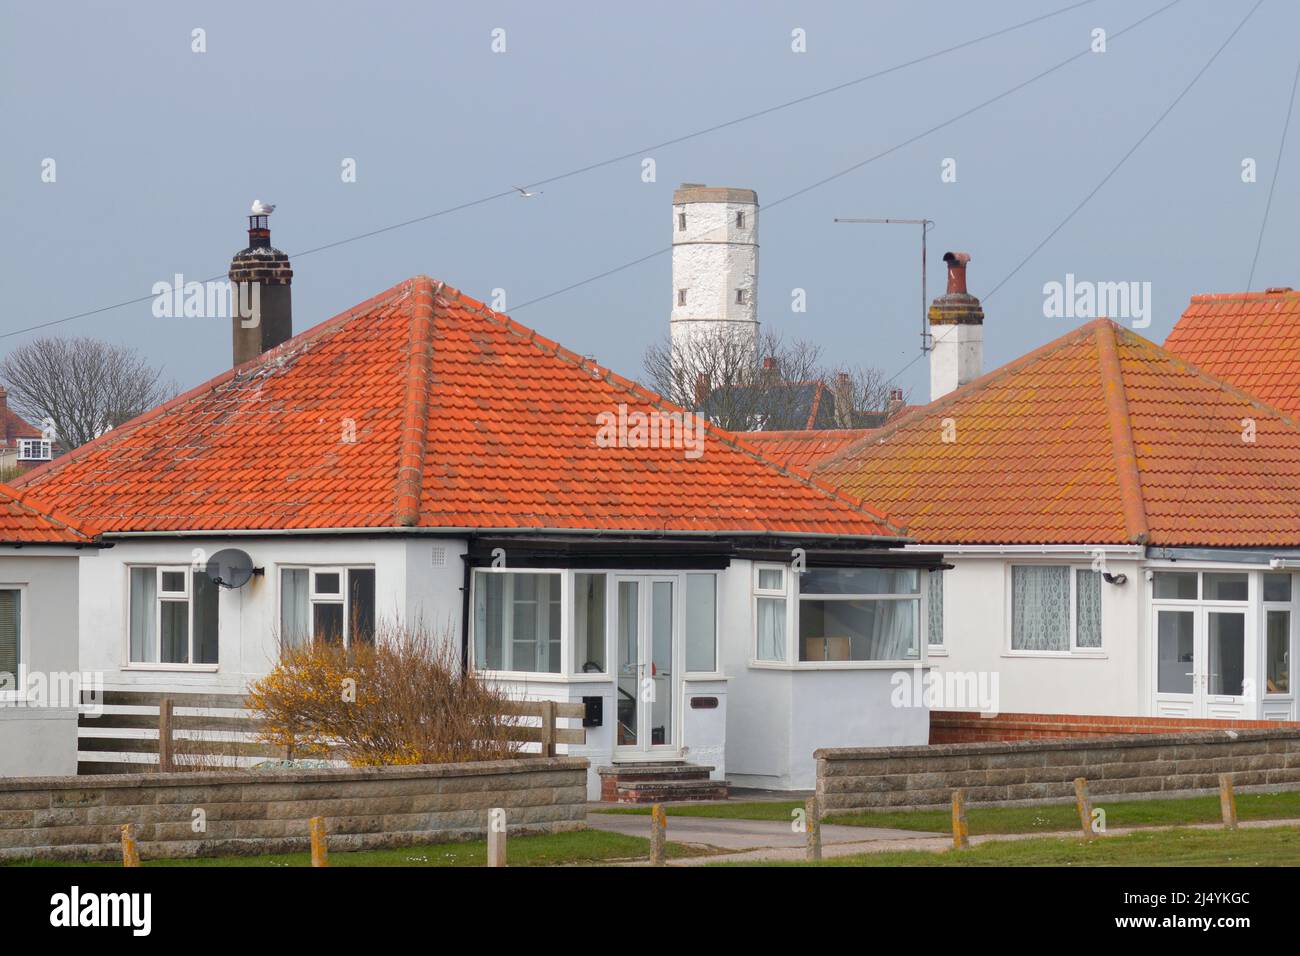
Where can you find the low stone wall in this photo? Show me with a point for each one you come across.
(953, 727)
(1043, 771)
(79, 818)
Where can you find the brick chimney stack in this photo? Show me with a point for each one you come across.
(956, 331)
(261, 281)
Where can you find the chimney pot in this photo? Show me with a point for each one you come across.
(956, 271)
(260, 282)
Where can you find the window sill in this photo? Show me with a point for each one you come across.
(541, 677)
(936, 651)
(837, 665)
(174, 668)
(1050, 655)
(703, 677)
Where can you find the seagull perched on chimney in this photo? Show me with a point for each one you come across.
(263, 208)
(526, 194)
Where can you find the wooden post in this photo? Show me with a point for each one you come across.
(960, 829)
(1084, 804)
(1227, 801)
(548, 728)
(320, 851)
(130, 852)
(813, 821)
(166, 759)
(496, 837)
(658, 834)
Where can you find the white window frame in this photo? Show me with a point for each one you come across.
(782, 593)
(935, 650)
(315, 597)
(1009, 650)
(186, 571)
(43, 445)
(921, 597)
(716, 673)
(19, 693)
(1265, 607)
(565, 673)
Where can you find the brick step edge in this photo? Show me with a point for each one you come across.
(653, 791)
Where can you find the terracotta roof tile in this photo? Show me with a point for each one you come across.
(23, 521)
(1251, 339)
(462, 418)
(1100, 437)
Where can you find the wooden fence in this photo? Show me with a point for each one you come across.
(165, 750)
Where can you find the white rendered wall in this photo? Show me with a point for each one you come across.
(977, 628)
(39, 739)
(712, 258)
(956, 357)
(248, 617)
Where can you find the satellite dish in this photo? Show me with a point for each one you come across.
(231, 568)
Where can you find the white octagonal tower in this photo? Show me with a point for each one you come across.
(715, 266)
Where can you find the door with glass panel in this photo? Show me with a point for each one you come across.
(645, 614)
(1203, 645)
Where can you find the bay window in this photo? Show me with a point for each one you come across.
(1277, 633)
(859, 614)
(1055, 608)
(173, 616)
(517, 621)
(770, 596)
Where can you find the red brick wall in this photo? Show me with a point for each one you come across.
(953, 727)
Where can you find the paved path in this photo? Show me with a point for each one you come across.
(759, 839)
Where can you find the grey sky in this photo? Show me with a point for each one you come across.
(160, 150)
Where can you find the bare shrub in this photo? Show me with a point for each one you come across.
(402, 699)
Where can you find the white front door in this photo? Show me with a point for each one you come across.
(645, 614)
(1202, 662)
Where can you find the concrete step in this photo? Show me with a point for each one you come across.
(670, 790)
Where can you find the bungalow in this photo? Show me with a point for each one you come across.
(40, 681)
(424, 459)
(1123, 529)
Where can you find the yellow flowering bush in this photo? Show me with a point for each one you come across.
(402, 699)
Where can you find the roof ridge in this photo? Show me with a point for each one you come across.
(415, 404)
(305, 337)
(1121, 433)
(644, 394)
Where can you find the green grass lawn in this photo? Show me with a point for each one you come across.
(558, 849)
(1273, 846)
(1041, 819)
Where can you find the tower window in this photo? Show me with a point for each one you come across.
(741, 297)
(681, 296)
(681, 222)
(740, 220)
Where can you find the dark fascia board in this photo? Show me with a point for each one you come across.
(679, 553)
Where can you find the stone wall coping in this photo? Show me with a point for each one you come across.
(1056, 744)
(119, 781)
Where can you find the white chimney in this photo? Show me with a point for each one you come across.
(956, 332)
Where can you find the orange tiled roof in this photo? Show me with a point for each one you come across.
(1100, 437)
(462, 418)
(801, 450)
(1251, 339)
(22, 521)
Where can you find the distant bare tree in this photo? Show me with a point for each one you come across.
(741, 386)
(81, 386)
